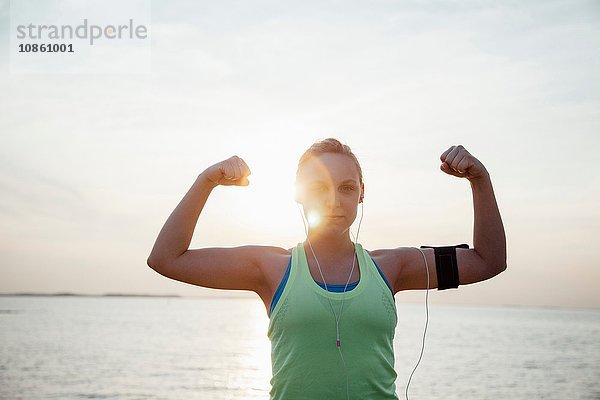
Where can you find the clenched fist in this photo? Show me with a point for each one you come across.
(459, 162)
(232, 171)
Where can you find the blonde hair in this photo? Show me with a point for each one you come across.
(329, 145)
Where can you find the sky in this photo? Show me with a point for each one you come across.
(91, 165)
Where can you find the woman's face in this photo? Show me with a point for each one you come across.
(329, 188)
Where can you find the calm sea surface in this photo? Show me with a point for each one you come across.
(204, 348)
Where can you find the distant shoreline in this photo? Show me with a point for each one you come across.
(71, 294)
(68, 294)
(219, 297)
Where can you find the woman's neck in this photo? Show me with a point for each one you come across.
(330, 247)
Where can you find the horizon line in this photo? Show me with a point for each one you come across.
(208, 296)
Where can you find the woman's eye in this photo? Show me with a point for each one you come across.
(346, 188)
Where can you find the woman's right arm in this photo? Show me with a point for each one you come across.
(214, 267)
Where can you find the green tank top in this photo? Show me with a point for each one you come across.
(305, 360)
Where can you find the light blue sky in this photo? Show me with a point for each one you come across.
(92, 165)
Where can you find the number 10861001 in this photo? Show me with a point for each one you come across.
(45, 48)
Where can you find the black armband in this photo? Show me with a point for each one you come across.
(446, 265)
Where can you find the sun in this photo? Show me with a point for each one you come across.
(266, 212)
(267, 206)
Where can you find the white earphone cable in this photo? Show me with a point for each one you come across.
(342, 305)
(426, 322)
(337, 318)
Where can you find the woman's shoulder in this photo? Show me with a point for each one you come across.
(385, 253)
(273, 261)
(275, 250)
(273, 256)
(391, 258)
(389, 261)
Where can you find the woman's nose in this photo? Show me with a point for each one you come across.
(332, 199)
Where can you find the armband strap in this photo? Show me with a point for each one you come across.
(446, 265)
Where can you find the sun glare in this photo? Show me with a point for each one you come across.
(269, 206)
(267, 209)
(313, 218)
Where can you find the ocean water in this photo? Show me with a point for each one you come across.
(204, 348)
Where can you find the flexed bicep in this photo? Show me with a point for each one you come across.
(419, 269)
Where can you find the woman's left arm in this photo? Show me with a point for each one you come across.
(486, 259)
(489, 239)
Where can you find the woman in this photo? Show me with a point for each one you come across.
(330, 302)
